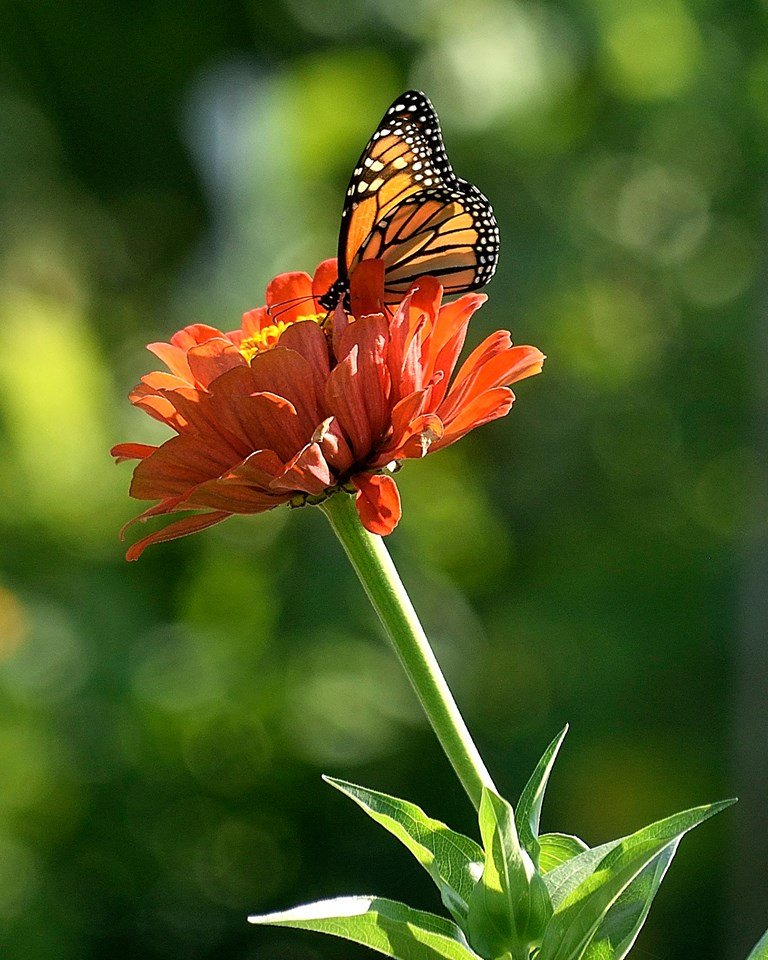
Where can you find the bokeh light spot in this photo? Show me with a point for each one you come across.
(653, 48)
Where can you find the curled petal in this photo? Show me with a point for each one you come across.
(160, 405)
(453, 317)
(378, 502)
(488, 406)
(334, 445)
(403, 414)
(175, 530)
(426, 294)
(174, 354)
(447, 340)
(419, 437)
(259, 469)
(194, 334)
(307, 472)
(131, 451)
(158, 510)
(495, 363)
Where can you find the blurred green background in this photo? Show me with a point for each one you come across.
(598, 557)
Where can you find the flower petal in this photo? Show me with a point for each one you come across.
(131, 451)
(494, 363)
(233, 496)
(366, 288)
(253, 321)
(357, 393)
(288, 374)
(447, 341)
(174, 354)
(259, 469)
(178, 465)
(159, 405)
(210, 360)
(426, 294)
(334, 445)
(175, 530)
(488, 406)
(307, 339)
(325, 276)
(378, 502)
(307, 472)
(416, 441)
(289, 296)
(272, 424)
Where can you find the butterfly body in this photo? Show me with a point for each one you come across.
(405, 206)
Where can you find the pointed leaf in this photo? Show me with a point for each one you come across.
(529, 806)
(557, 849)
(563, 880)
(579, 916)
(509, 907)
(760, 951)
(617, 933)
(452, 860)
(386, 926)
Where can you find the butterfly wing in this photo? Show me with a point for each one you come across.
(405, 205)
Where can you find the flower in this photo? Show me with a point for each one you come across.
(297, 405)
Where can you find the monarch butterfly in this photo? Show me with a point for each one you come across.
(406, 206)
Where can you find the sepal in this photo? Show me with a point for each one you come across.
(510, 906)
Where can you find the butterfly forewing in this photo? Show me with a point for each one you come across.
(406, 206)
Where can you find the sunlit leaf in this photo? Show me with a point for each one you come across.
(623, 922)
(452, 860)
(563, 880)
(386, 926)
(528, 812)
(556, 849)
(580, 914)
(760, 951)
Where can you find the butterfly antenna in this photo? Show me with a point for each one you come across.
(286, 305)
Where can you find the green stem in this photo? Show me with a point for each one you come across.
(386, 592)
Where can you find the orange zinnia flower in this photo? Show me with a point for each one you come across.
(297, 405)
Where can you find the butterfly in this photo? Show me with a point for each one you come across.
(406, 206)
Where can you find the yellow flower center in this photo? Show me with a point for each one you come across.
(268, 337)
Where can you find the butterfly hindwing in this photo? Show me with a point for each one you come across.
(405, 205)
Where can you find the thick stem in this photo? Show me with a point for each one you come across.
(386, 592)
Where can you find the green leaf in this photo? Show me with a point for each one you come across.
(761, 949)
(623, 922)
(558, 848)
(580, 914)
(532, 797)
(387, 926)
(563, 880)
(509, 907)
(452, 860)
